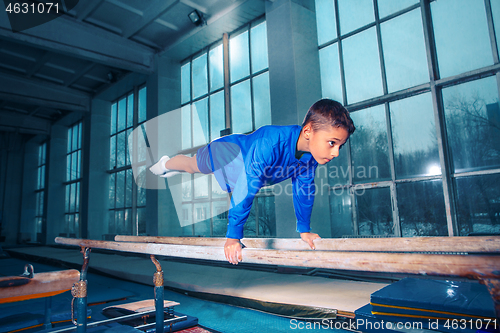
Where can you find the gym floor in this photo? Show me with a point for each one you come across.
(104, 291)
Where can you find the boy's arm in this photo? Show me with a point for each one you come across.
(247, 186)
(303, 199)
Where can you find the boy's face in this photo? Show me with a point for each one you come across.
(325, 144)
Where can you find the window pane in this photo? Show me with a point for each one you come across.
(41, 203)
(128, 192)
(362, 68)
(186, 83)
(80, 134)
(66, 197)
(111, 222)
(113, 118)
(341, 212)
(130, 110)
(261, 100)
(143, 149)
(141, 184)
(374, 212)
(68, 167)
(77, 197)
(387, 7)
(354, 15)
(370, 157)
(74, 166)
(72, 198)
(39, 178)
(120, 150)
(119, 221)
(495, 10)
(70, 136)
(421, 209)
(238, 57)
(187, 191)
(200, 122)
(141, 221)
(461, 34)
(122, 113)
(187, 220)
(202, 219)
(331, 86)
(186, 127)
(250, 228)
(241, 108)
(127, 230)
(267, 216)
(325, 21)
(473, 124)
(220, 209)
(258, 47)
(74, 141)
(338, 169)
(111, 193)
(42, 176)
(217, 115)
(79, 164)
(200, 78)
(142, 105)
(216, 68)
(200, 186)
(217, 192)
(120, 189)
(404, 51)
(70, 224)
(127, 149)
(414, 137)
(478, 205)
(112, 152)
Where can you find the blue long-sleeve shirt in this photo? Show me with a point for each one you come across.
(265, 157)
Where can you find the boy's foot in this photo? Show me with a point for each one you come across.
(159, 168)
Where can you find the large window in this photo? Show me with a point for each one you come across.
(40, 189)
(204, 81)
(73, 181)
(421, 81)
(127, 201)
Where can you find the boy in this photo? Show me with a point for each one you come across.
(242, 164)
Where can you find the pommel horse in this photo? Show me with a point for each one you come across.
(476, 258)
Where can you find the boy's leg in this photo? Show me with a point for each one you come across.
(183, 163)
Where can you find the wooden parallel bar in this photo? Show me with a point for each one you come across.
(474, 244)
(41, 285)
(471, 266)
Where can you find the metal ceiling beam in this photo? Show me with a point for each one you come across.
(216, 24)
(35, 92)
(90, 7)
(39, 64)
(24, 123)
(69, 36)
(84, 70)
(156, 9)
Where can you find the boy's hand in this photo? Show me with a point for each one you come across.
(308, 237)
(232, 250)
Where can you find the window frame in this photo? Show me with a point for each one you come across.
(434, 86)
(127, 168)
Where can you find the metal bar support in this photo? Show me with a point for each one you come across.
(48, 312)
(158, 283)
(79, 292)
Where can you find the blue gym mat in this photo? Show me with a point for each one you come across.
(434, 299)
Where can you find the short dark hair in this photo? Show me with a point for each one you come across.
(328, 112)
